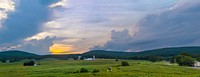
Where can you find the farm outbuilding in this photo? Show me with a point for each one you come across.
(93, 58)
(197, 64)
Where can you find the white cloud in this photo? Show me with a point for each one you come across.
(62, 3)
(37, 46)
(6, 6)
(40, 36)
(12, 47)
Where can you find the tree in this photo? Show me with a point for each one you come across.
(116, 60)
(154, 58)
(173, 59)
(3, 61)
(76, 72)
(198, 58)
(83, 70)
(186, 54)
(95, 70)
(31, 63)
(124, 63)
(183, 60)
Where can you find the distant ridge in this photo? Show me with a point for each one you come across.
(107, 54)
(15, 54)
(162, 52)
(171, 51)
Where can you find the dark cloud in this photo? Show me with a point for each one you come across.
(37, 46)
(25, 21)
(176, 27)
(119, 41)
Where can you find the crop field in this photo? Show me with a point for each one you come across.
(67, 68)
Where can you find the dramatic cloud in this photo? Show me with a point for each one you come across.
(74, 26)
(178, 26)
(24, 20)
(37, 46)
(119, 41)
(81, 25)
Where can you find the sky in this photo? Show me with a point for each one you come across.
(78, 26)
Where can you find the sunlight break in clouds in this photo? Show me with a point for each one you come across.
(61, 49)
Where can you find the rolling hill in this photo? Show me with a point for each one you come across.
(15, 54)
(171, 51)
(107, 54)
(164, 52)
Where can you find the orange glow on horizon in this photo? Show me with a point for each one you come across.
(61, 49)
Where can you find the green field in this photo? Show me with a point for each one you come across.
(65, 68)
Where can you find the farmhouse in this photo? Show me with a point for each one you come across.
(90, 58)
(7, 61)
(197, 64)
(79, 57)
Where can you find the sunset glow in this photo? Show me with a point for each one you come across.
(61, 49)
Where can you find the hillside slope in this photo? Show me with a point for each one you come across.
(107, 54)
(155, 52)
(171, 51)
(15, 54)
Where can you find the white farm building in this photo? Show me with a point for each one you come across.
(197, 64)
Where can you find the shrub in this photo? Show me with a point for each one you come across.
(95, 70)
(154, 58)
(31, 63)
(124, 63)
(116, 60)
(76, 72)
(173, 59)
(83, 70)
(3, 61)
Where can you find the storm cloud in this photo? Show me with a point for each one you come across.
(177, 26)
(21, 19)
(37, 46)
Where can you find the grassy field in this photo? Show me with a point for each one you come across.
(65, 68)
